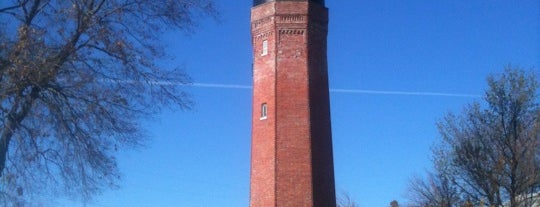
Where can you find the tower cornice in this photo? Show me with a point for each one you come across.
(277, 14)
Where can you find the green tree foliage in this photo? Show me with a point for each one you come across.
(491, 151)
(75, 78)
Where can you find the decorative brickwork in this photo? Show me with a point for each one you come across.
(291, 32)
(261, 22)
(292, 18)
(263, 35)
(291, 155)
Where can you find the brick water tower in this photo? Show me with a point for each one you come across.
(291, 154)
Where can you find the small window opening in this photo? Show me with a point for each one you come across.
(264, 47)
(264, 111)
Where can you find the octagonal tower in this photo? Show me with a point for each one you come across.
(291, 157)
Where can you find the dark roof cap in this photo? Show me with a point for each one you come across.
(259, 2)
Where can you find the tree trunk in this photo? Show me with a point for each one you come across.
(16, 115)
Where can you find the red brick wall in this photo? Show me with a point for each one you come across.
(291, 163)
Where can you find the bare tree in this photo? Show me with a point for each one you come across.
(75, 78)
(345, 200)
(476, 166)
(489, 153)
(516, 115)
(433, 191)
(436, 189)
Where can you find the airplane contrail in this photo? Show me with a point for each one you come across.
(357, 91)
(214, 85)
(332, 90)
(405, 93)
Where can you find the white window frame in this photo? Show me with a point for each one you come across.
(264, 111)
(264, 48)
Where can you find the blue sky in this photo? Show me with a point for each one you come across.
(376, 51)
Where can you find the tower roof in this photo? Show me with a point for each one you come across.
(258, 2)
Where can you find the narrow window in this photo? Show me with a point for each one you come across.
(264, 111)
(264, 47)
